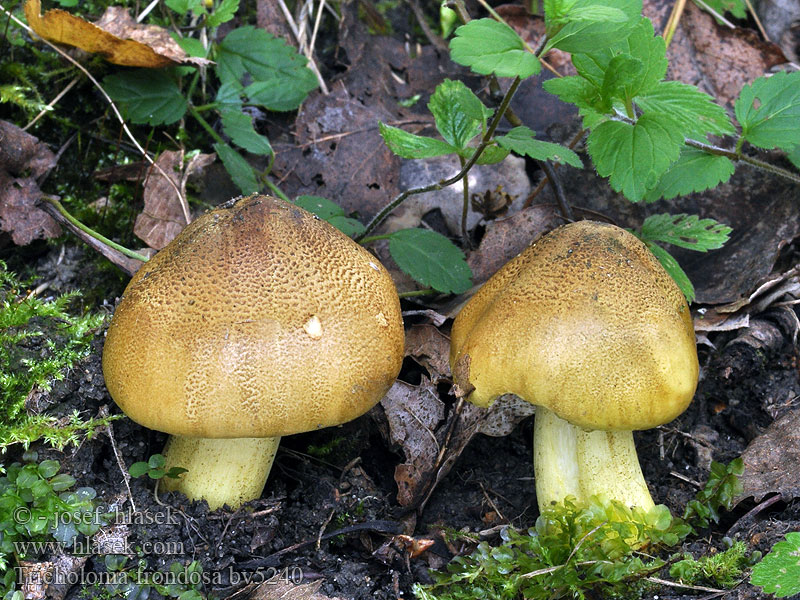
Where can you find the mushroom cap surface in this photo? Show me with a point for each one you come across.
(258, 320)
(585, 322)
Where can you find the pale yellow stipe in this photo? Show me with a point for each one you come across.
(221, 471)
(569, 461)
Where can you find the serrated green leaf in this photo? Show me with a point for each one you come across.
(229, 96)
(522, 141)
(487, 46)
(409, 145)
(431, 259)
(642, 44)
(182, 7)
(238, 168)
(694, 171)
(458, 112)
(331, 212)
(697, 112)
(675, 271)
(281, 80)
(686, 231)
(192, 46)
(239, 127)
(223, 13)
(634, 157)
(769, 111)
(573, 89)
(620, 78)
(146, 96)
(491, 155)
(779, 571)
(586, 25)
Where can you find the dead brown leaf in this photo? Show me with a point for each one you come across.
(770, 461)
(507, 237)
(116, 37)
(413, 412)
(713, 57)
(23, 159)
(163, 216)
(278, 588)
(430, 348)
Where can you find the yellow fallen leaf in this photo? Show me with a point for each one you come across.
(156, 48)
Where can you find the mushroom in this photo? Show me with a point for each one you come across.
(258, 321)
(587, 325)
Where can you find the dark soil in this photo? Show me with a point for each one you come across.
(335, 518)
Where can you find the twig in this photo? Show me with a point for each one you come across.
(757, 20)
(120, 463)
(293, 26)
(752, 513)
(674, 19)
(558, 191)
(434, 39)
(699, 588)
(32, 33)
(53, 102)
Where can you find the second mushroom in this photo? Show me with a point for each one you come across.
(587, 325)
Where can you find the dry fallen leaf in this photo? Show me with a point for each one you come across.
(430, 348)
(162, 217)
(116, 37)
(278, 588)
(770, 461)
(22, 160)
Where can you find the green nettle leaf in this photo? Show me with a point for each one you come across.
(409, 145)
(698, 113)
(573, 89)
(224, 13)
(634, 157)
(585, 25)
(779, 571)
(146, 96)
(491, 154)
(229, 96)
(192, 46)
(182, 7)
(487, 46)
(620, 77)
(458, 112)
(641, 44)
(332, 213)
(769, 111)
(239, 127)
(686, 231)
(281, 80)
(694, 171)
(522, 141)
(238, 168)
(431, 259)
(675, 271)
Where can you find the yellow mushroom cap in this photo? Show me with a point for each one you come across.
(585, 322)
(258, 320)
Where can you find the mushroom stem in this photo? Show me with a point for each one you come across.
(220, 471)
(569, 461)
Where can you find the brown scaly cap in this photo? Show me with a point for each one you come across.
(585, 322)
(258, 320)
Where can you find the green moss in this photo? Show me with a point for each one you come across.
(723, 569)
(40, 340)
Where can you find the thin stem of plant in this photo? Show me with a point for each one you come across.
(465, 208)
(89, 231)
(52, 103)
(32, 33)
(386, 211)
(736, 156)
